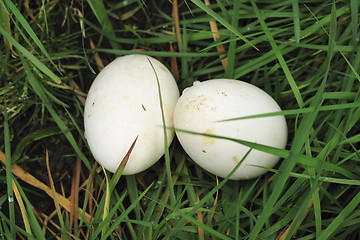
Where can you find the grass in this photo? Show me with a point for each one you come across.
(304, 54)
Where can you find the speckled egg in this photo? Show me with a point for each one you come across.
(202, 107)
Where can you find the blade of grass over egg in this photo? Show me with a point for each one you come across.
(166, 141)
(283, 153)
(298, 111)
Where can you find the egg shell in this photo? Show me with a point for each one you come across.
(123, 103)
(202, 106)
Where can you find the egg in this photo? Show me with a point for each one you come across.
(201, 109)
(123, 104)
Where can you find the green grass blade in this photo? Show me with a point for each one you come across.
(30, 56)
(105, 223)
(9, 176)
(283, 153)
(106, 206)
(300, 138)
(279, 56)
(124, 214)
(28, 29)
(231, 53)
(35, 226)
(354, 20)
(166, 141)
(158, 53)
(133, 192)
(322, 22)
(195, 208)
(308, 53)
(296, 19)
(100, 12)
(39, 89)
(330, 18)
(353, 105)
(221, 20)
(338, 221)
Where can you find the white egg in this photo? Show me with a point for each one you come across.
(123, 103)
(202, 107)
